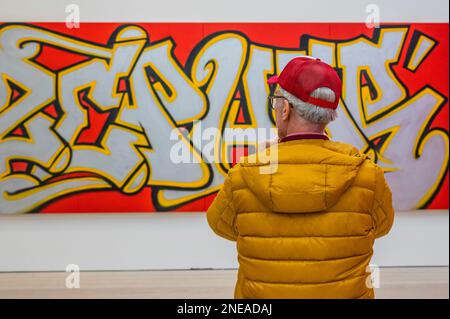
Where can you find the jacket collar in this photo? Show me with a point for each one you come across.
(302, 136)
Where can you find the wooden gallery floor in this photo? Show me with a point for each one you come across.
(421, 282)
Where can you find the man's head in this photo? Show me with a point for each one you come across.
(306, 97)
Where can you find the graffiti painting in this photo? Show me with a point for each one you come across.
(89, 116)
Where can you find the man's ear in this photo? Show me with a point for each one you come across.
(286, 110)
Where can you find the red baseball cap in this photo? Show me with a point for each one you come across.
(303, 75)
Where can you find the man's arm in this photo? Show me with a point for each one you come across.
(221, 215)
(383, 212)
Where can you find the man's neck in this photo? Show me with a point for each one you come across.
(298, 125)
(306, 130)
(305, 133)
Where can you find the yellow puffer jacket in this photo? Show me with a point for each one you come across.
(307, 230)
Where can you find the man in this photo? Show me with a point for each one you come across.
(307, 230)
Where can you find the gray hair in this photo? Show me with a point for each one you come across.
(311, 112)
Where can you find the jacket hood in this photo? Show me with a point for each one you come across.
(309, 175)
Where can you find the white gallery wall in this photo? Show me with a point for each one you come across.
(179, 241)
(184, 241)
(225, 10)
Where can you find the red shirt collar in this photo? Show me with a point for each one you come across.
(302, 136)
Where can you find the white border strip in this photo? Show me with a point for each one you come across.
(225, 10)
